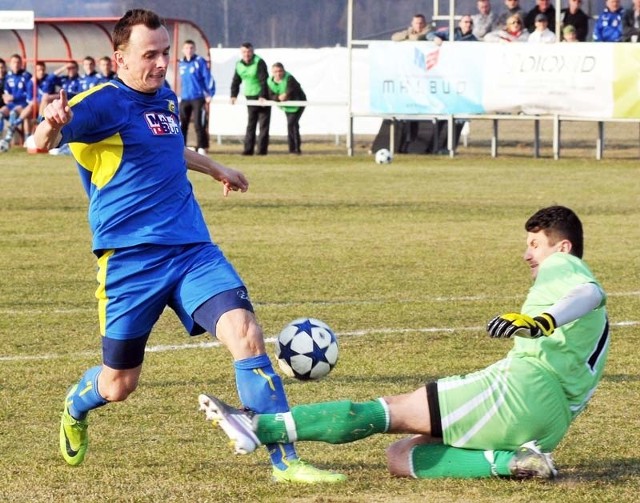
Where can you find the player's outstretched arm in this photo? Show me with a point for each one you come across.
(231, 179)
(56, 114)
(580, 301)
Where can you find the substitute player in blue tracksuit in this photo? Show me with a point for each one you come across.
(153, 246)
(18, 97)
(197, 87)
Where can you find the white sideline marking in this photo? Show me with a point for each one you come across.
(214, 344)
(415, 300)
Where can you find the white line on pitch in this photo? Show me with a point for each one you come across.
(214, 344)
(467, 298)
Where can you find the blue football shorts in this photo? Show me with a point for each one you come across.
(136, 284)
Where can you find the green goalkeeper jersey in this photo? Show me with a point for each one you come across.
(576, 352)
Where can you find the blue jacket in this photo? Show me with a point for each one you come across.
(608, 27)
(196, 80)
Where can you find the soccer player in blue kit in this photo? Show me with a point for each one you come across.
(151, 241)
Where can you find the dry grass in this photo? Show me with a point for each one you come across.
(406, 262)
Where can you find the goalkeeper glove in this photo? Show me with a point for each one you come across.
(522, 325)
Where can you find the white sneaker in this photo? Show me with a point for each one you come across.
(62, 150)
(202, 151)
(236, 423)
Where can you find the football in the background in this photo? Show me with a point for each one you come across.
(383, 156)
(307, 349)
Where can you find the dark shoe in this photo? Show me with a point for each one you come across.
(247, 153)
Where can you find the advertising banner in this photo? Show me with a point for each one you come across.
(581, 79)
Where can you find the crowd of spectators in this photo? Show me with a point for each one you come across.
(515, 23)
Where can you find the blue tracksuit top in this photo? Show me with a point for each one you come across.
(195, 79)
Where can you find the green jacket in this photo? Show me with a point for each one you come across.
(254, 77)
(291, 87)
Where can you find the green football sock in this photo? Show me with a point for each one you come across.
(438, 460)
(331, 422)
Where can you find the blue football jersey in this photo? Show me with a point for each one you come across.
(130, 153)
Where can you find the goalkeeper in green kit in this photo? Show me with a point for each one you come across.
(501, 421)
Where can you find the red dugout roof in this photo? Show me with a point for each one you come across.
(58, 40)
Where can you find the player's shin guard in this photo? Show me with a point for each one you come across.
(86, 396)
(260, 389)
(431, 461)
(331, 422)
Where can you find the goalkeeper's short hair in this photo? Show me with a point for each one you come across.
(558, 222)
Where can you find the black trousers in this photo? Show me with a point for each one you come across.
(200, 121)
(260, 117)
(293, 130)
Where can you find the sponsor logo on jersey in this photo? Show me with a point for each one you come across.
(171, 105)
(162, 124)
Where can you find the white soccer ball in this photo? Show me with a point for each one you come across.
(307, 349)
(383, 156)
(4, 145)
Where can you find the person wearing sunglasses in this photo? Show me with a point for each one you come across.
(513, 32)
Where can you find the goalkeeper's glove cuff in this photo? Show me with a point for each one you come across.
(545, 323)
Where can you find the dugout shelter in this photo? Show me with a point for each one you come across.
(59, 40)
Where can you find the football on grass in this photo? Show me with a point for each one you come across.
(307, 349)
(383, 156)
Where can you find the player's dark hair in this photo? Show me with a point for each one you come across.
(247, 45)
(421, 16)
(558, 222)
(134, 17)
(278, 65)
(190, 42)
(90, 58)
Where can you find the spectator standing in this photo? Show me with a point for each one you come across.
(484, 20)
(514, 31)
(542, 34)
(284, 87)
(105, 67)
(417, 31)
(608, 27)
(576, 17)
(512, 7)
(91, 77)
(462, 33)
(542, 7)
(251, 71)
(631, 22)
(197, 87)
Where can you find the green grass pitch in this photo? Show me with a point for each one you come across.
(406, 262)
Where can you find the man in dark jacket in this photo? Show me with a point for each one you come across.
(284, 87)
(542, 7)
(252, 71)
